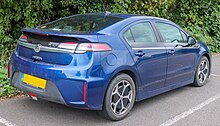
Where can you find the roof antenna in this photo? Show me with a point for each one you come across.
(104, 8)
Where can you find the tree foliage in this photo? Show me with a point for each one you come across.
(200, 18)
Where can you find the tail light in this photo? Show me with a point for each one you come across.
(68, 45)
(24, 37)
(9, 70)
(92, 47)
(85, 47)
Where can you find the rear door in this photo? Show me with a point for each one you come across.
(148, 53)
(181, 56)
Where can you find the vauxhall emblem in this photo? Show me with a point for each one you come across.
(37, 48)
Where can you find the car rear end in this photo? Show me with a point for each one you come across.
(62, 61)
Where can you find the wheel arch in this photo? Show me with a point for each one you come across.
(208, 56)
(132, 73)
(125, 70)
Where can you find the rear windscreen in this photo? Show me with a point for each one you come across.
(85, 23)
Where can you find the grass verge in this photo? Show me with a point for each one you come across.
(6, 91)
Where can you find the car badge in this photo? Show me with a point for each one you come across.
(37, 48)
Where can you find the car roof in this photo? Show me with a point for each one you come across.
(129, 18)
(126, 16)
(119, 15)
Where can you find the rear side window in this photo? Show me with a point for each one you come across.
(140, 33)
(85, 23)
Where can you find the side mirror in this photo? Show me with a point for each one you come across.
(191, 40)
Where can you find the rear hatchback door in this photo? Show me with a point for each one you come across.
(56, 42)
(49, 48)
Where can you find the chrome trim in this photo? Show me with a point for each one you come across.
(179, 47)
(45, 48)
(149, 48)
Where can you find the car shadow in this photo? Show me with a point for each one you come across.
(74, 116)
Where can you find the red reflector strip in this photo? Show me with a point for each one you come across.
(9, 70)
(84, 91)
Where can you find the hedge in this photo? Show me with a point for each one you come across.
(201, 18)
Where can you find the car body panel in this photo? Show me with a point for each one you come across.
(181, 64)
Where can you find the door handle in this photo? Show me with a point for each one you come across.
(139, 53)
(171, 52)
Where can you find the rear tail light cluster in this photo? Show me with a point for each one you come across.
(85, 47)
(23, 37)
(92, 47)
(79, 47)
(68, 45)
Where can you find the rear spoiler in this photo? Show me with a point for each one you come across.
(91, 37)
(35, 30)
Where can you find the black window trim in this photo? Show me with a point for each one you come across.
(182, 35)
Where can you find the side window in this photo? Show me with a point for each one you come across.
(140, 33)
(170, 33)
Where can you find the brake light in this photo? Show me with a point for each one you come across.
(40, 34)
(23, 37)
(92, 47)
(9, 70)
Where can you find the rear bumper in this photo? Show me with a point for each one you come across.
(64, 85)
(50, 93)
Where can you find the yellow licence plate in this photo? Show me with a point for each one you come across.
(34, 81)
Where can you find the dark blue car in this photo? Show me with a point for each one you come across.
(106, 62)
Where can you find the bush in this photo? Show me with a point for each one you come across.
(200, 18)
(5, 89)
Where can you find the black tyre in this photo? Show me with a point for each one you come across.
(120, 98)
(202, 72)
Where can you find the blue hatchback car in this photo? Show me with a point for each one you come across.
(106, 62)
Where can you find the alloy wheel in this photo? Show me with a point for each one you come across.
(121, 97)
(203, 71)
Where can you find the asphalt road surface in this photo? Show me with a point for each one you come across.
(186, 106)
